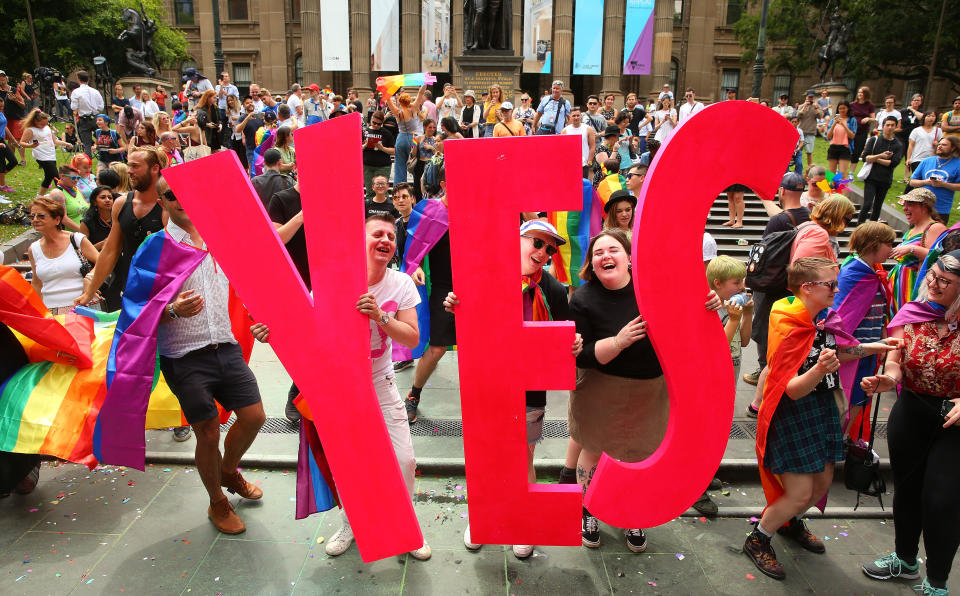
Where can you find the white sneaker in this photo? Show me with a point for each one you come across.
(423, 553)
(466, 540)
(340, 542)
(522, 551)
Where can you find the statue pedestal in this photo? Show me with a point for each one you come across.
(837, 92)
(147, 84)
(482, 70)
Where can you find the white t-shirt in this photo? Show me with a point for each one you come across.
(709, 247)
(448, 107)
(46, 150)
(667, 127)
(687, 110)
(583, 131)
(149, 109)
(395, 292)
(923, 142)
(295, 102)
(882, 114)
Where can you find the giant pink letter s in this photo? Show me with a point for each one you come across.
(683, 181)
(501, 356)
(326, 329)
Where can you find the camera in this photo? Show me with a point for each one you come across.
(45, 76)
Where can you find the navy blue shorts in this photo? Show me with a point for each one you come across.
(201, 379)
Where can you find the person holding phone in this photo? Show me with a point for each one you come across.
(884, 152)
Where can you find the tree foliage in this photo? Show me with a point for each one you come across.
(888, 39)
(70, 32)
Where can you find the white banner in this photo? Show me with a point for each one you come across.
(435, 35)
(335, 34)
(385, 35)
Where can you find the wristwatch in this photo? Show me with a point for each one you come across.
(384, 318)
(170, 312)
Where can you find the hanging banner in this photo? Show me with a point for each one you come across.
(587, 37)
(435, 35)
(335, 34)
(537, 35)
(384, 35)
(638, 37)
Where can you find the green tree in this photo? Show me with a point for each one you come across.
(70, 32)
(889, 39)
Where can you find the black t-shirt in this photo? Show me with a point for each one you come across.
(555, 295)
(119, 101)
(98, 230)
(269, 183)
(637, 115)
(373, 157)
(370, 207)
(908, 122)
(29, 91)
(250, 132)
(781, 221)
(821, 341)
(11, 109)
(283, 206)
(358, 105)
(440, 270)
(600, 313)
(879, 173)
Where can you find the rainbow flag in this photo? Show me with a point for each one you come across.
(391, 84)
(790, 338)
(932, 255)
(576, 227)
(316, 490)
(903, 276)
(265, 139)
(608, 185)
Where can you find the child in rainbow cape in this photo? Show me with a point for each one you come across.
(862, 302)
(799, 437)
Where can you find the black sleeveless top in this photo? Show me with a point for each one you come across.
(134, 232)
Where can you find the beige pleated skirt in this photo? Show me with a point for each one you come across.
(624, 418)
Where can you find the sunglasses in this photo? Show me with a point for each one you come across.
(631, 175)
(168, 195)
(827, 284)
(40, 216)
(73, 177)
(539, 243)
(378, 122)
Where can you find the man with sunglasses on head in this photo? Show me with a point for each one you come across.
(544, 299)
(378, 145)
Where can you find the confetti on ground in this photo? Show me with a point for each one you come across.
(703, 519)
(654, 584)
(125, 499)
(34, 510)
(725, 493)
(680, 556)
(753, 519)
(320, 540)
(750, 576)
(166, 469)
(844, 534)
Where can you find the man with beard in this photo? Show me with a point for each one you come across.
(941, 174)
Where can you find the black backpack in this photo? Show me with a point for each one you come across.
(769, 259)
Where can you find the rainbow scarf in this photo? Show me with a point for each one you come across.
(541, 310)
(610, 184)
(790, 338)
(918, 312)
(576, 227)
(391, 84)
(316, 490)
(265, 139)
(903, 276)
(934, 253)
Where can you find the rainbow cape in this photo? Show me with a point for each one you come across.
(265, 139)
(158, 270)
(858, 286)
(576, 227)
(903, 276)
(391, 84)
(427, 224)
(790, 338)
(608, 185)
(50, 405)
(932, 255)
(316, 490)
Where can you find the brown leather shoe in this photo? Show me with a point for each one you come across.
(798, 531)
(763, 556)
(224, 518)
(235, 484)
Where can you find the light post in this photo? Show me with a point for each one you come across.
(218, 61)
(761, 49)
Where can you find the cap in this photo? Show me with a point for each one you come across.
(611, 130)
(957, 98)
(3, 73)
(731, 90)
(618, 196)
(469, 93)
(919, 195)
(943, 266)
(314, 87)
(784, 96)
(269, 116)
(793, 181)
(506, 106)
(810, 93)
(538, 225)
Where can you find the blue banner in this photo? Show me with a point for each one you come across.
(587, 37)
(638, 37)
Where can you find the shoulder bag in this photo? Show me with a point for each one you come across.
(866, 168)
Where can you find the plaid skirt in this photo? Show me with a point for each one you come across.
(804, 435)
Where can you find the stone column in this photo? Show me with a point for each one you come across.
(360, 45)
(614, 13)
(410, 36)
(562, 57)
(456, 43)
(662, 45)
(310, 26)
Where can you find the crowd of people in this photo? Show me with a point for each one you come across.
(91, 225)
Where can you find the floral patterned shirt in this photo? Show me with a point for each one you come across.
(932, 363)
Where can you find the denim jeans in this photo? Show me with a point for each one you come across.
(404, 141)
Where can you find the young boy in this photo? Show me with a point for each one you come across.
(799, 437)
(725, 275)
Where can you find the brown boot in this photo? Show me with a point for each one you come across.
(797, 530)
(758, 548)
(224, 518)
(235, 484)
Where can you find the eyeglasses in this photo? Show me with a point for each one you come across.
(73, 177)
(827, 284)
(40, 216)
(377, 122)
(539, 243)
(942, 282)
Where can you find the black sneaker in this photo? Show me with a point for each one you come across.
(567, 476)
(411, 404)
(798, 531)
(590, 530)
(636, 539)
(715, 484)
(402, 365)
(181, 434)
(758, 548)
(291, 413)
(706, 506)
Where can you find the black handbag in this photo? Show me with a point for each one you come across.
(85, 265)
(861, 469)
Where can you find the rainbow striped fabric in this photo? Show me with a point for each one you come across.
(316, 490)
(576, 227)
(932, 255)
(264, 138)
(391, 84)
(610, 184)
(903, 276)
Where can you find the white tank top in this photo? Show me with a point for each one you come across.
(584, 144)
(46, 150)
(60, 275)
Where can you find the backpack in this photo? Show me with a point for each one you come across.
(431, 175)
(769, 258)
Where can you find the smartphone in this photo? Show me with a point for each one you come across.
(945, 408)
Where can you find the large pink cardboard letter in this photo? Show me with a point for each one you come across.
(498, 362)
(326, 329)
(668, 277)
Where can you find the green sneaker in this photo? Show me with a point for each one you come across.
(891, 567)
(927, 590)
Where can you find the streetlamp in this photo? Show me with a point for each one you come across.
(761, 48)
(218, 61)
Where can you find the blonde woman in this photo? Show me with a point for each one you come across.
(491, 109)
(121, 169)
(38, 135)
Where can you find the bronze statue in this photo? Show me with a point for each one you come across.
(139, 34)
(835, 49)
(486, 25)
